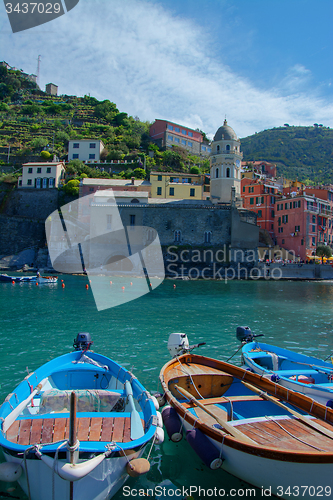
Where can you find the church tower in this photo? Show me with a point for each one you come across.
(225, 171)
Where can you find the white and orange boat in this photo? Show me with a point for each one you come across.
(251, 427)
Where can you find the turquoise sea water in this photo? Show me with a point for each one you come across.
(39, 323)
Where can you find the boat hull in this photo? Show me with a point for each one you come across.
(318, 385)
(101, 484)
(276, 477)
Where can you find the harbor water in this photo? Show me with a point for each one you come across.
(39, 323)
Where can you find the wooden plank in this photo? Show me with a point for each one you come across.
(127, 430)
(83, 429)
(36, 431)
(24, 434)
(107, 426)
(95, 429)
(118, 429)
(59, 429)
(47, 432)
(222, 399)
(13, 431)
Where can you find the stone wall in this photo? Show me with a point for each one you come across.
(31, 203)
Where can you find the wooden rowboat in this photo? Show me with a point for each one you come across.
(257, 430)
(76, 428)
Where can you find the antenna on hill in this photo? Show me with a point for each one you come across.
(38, 70)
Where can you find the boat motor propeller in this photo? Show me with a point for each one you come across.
(178, 344)
(82, 342)
(244, 334)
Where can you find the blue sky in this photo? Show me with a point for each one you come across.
(262, 63)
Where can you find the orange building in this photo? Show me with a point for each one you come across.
(260, 197)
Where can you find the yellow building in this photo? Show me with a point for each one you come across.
(179, 186)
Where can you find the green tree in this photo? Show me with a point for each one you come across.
(195, 170)
(72, 187)
(139, 173)
(45, 155)
(323, 251)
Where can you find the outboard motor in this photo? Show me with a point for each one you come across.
(178, 344)
(244, 334)
(82, 342)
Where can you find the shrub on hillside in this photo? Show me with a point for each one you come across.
(72, 187)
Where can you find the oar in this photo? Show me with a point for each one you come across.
(225, 425)
(136, 424)
(304, 419)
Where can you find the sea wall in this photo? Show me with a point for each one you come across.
(296, 271)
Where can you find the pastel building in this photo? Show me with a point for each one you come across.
(260, 197)
(87, 150)
(302, 222)
(41, 175)
(179, 186)
(167, 134)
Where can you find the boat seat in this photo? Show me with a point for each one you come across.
(291, 373)
(52, 430)
(95, 400)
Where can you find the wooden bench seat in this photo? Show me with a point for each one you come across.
(222, 399)
(50, 430)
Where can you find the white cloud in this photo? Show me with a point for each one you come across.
(157, 66)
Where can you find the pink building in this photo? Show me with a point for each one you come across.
(302, 222)
(167, 134)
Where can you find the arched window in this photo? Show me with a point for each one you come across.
(45, 183)
(135, 200)
(178, 236)
(217, 148)
(216, 173)
(208, 236)
(51, 182)
(228, 172)
(227, 147)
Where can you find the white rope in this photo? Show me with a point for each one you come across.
(152, 444)
(187, 373)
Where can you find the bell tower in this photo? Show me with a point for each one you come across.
(225, 167)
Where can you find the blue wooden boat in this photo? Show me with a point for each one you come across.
(306, 374)
(77, 427)
(16, 279)
(274, 438)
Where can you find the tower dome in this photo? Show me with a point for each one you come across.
(225, 158)
(225, 132)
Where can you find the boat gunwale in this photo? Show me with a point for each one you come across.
(276, 390)
(61, 363)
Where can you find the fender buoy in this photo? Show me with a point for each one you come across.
(204, 448)
(123, 288)
(87, 286)
(137, 467)
(159, 435)
(160, 399)
(10, 472)
(13, 282)
(63, 285)
(172, 424)
(154, 400)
